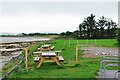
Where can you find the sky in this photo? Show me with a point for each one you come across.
(51, 17)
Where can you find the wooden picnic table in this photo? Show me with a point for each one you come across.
(46, 47)
(48, 57)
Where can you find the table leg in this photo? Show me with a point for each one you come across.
(57, 53)
(55, 59)
(41, 61)
(49, 49)
(41, 49)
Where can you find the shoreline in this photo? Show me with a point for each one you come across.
(16, 47)
(11, 40)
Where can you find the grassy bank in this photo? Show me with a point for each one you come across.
(14, 62)
(86, 67)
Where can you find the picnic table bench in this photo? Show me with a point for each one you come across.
(36, 59)
(60, 58)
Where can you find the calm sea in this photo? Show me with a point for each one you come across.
(21, 39)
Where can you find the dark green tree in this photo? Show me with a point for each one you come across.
(24, 34)
(83, 30)
(101, 26)
(88, 27)
(111, 28)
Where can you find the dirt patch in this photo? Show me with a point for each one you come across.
(90, 55)
(93, 52)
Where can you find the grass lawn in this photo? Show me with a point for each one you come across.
(100, 42)
(86, 67)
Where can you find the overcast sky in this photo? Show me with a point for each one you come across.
(28, 17)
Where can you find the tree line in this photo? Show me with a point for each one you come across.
(29, 34)
(90, 29)
(38, 34)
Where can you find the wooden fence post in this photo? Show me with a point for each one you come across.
(77, 52)
(26, 58)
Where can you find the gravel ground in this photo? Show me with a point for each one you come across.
(99, 51)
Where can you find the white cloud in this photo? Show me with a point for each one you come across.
(34, 22)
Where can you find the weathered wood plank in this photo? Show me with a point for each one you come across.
(37, 52)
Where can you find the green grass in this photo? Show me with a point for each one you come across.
(10, 65)
(100, 42)
(86, 67)
(0, 74)
(107, 42)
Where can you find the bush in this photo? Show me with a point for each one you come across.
(118, 37)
